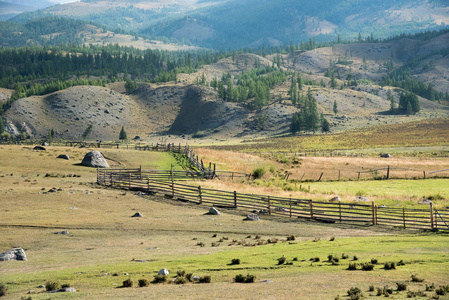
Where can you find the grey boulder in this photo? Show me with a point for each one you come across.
(63, 156)
(214, 211)
(95, 159)
(252, 217)
(13, 254)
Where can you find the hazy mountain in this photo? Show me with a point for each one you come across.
(252, 23)
(11, 8)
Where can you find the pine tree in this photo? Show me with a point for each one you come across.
(335, 108)
(87, 132)
(2, 125)
(325, 126)
(122, 134)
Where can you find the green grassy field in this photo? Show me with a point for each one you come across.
(106, 246)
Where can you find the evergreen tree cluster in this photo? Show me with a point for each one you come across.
(307, 119)
(409, 103)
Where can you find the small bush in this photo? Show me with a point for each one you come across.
(330, 257)
(352, 266)
(291, 238)
(143, 282)
(258, 173)
(3, 289)
(65, 285)
(281, 260)
(214, 235)
(374, 261)
(204, 279)
(244, 279)
(52, 286)
(258, 237)
(354, 291)
(430, 287)
(415, 278)
(371, 288)
(201, 244)
(355, 258)
(272, 241)
(332, 239)
(390, 266)
(235, 261)
(295, 259)
(367, 266)
(344, 256)
(387, 291)
(180, 273)
(401, 286)
(189, 276)
(128, 283)
(180, 280)
(379, 292)
(401, 263)
(159, 279)
(315, 259)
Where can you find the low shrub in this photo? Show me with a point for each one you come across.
(390, 266)
(374, 261)
(3, 289)
(379, 291)
(355, 258)
(416, 278)
(128, 283)
(352, 266)
(430, 287)
(387, 291)
(258, 173)
(367, 266)
(189, 276)
(442, 290)
(371, 288)
(235, 261)
(201, 244)
(281, 260)
(52, 286)
(315, 259)
(143, 282)
(295, 259)
(204, 279)
(180, 280)
(159, 279)
(273, 240)
(344, 256)
(332, 239)
(244, 279)
(291, 238)
(354, 291)
(401, 286)
(180, 273)
(401, 263)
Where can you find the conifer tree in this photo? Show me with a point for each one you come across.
(122, 134)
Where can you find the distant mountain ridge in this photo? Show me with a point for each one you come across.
(252, 23)
(11, 8)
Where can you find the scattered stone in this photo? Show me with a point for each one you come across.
(52, 190)
(382, 206)
(137, 215)
(13, 254)
(281, 209)
(136, 138)
(95, 159)
(336, 199)
(214, 211)
(30, 292)
(64, 156)
(40, 286)
(196, 278)
(163, 272)
(360, 198)
(385, 155)
(64, 290)
(267, 281)
(125, 274)
(139, 193)
(39, 148)
(64, 232)
(425, 201)
(44, 144)
(252, 217)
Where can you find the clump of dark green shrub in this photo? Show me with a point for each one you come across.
(291, 238)
(374, 261)
(244, 279)
(3, 289)
(201, 244)
(65, 285)
(235, 261)
(214, 235)
(204, 279)
(273, 240)
(390, 266)
(367, 266)
(387, 291)
(442, 290)
(315, 259)
(344, 256)
(143, 282)
(430, 287)
(258, 237)
(159, 279)
(128, 283)
(52, 286)
(355, 258)
(295, 259)
(332, 239)
(258, 173)
(180, 280)
(355, 293)
(379, 291)
(401, 286)
(352, 266)
(189, 276)
(416, 278)
(401, 263)
(371, 288)
(281, 260)
(180, 273)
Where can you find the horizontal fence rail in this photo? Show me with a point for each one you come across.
(172, 185)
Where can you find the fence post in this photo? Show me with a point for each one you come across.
(321, 176)
(311, 209)
(148, 185)
(140, 172)
(403, 215)
(98, 175)
(129, 180)
(432, 225)
(200, 194)
(269, 206)
(358, 178)
(339, 210)
(339, 175)
(290, 207)
(111, 179)
(373, 213)
(173, 188)
(235, 199)
(388, 172)
(424, 172)
(104, 178)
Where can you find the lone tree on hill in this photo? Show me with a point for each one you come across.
(409, 103)
(123, 136)
(87, 132)
(335, 108)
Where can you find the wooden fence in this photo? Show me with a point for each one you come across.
(170, 185)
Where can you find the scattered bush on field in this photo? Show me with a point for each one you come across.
(401, 263)
(430, 287)
(371, 288)
(180, 280)
(355, 293)
(332, 239)
(352, 266)
(52, 286)
(143, 282)
(189, 276)
(390, 266)
(401, 286)
(258, 173)
(291, 238)
(244, 279)
(367, 266)
(374, 261)
(3, 289)
(204, 279)
(344, 256)
(355, 258)
(128, 283)
(281, 260)
(416, 278)
(235, 261)
(65, 285)
(159, 279)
